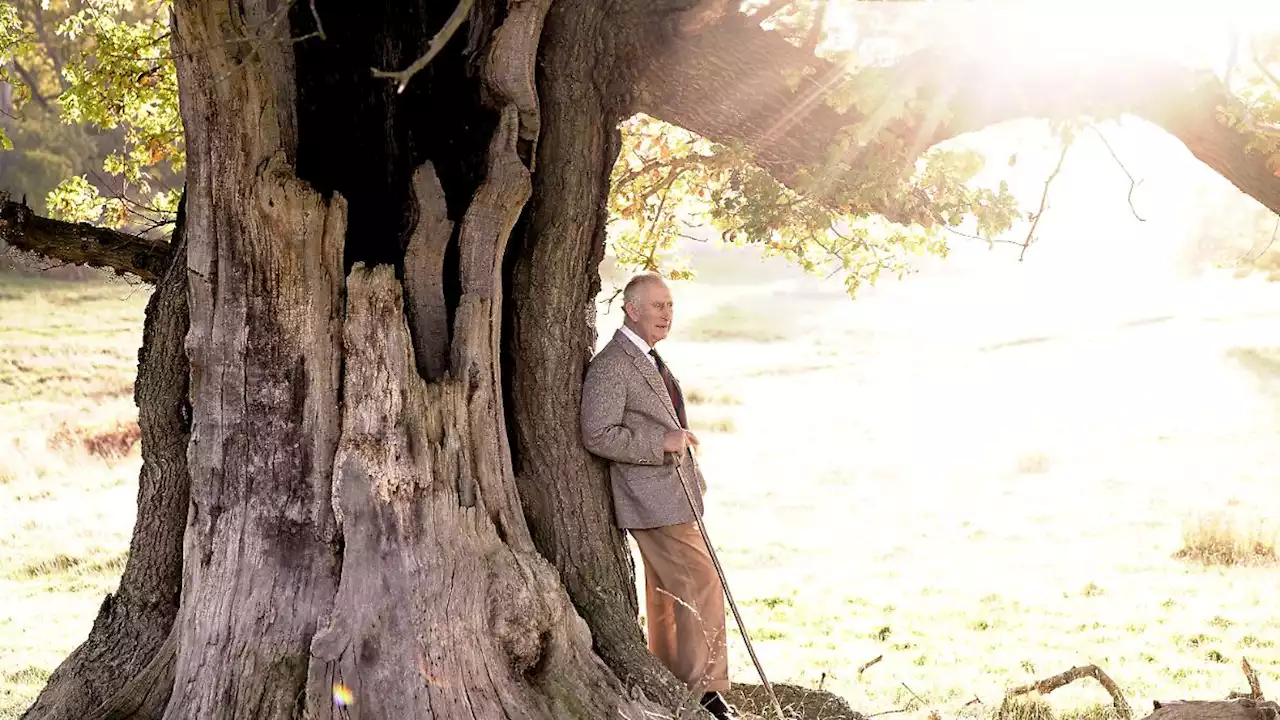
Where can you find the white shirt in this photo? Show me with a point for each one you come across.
(644, 346)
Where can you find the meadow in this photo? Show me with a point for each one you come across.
(68, 466)
(983, 492)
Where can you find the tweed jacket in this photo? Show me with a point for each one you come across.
(626, 412)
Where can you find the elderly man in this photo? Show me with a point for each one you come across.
(633, 414)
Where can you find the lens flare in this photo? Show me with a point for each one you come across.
(342, 695)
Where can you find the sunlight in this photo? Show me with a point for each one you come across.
(1063, 35)
(1051, 32)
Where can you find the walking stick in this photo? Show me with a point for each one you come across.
(728, 595)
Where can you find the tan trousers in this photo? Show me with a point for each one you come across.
(687, 631)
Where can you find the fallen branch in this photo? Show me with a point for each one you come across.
(869, 663)
(82, 243)
(1048, 685)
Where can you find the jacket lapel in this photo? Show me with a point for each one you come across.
(649, 372)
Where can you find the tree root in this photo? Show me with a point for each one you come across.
(796, 701)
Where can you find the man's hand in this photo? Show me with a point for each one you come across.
(676, 441)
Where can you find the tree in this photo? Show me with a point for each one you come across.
(374, 478)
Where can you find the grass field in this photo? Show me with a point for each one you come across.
(68, 353)
(983, 492)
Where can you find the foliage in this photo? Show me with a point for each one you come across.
(669, 183)
(832, 221)
(128, 80)
(101, 66)
(45, 152)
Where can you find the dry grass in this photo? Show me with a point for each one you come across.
(113, 440)
(1223, 538)
(68, 466)
(980, 519)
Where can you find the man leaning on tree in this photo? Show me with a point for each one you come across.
(633, 415)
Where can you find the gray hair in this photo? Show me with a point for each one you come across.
(631, 292)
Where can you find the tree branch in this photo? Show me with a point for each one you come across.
(1048, 685)
(82, 243)
(1133, 184)
(1250, 676)
(402, 77)
(1044, 200)
(32, 85)
(737, 83)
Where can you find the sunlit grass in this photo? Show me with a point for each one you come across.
(734, 322)
(1227, 539)
(980, 519)
(68, 466)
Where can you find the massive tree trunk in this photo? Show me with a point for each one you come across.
(553, 279)
(391, 307)
(355, 520)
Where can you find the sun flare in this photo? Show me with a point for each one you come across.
(1054, 32)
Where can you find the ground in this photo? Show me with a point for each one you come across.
(984, 492)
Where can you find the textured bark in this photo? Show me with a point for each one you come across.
(736, 82)
(424, 275)
(134, 622)
(265, 267)
(554, 281)
(83, 244)
(146, 695)
(1243, 709)
(441, 612)
(440, 573)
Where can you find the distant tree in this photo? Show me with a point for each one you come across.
(93, 124)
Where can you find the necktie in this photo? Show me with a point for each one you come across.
(677, 398)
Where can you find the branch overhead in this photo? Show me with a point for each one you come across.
(82, 243)
(738, 84)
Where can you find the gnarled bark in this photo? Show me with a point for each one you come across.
(264, 253)
(1241, 709)
(553, 281)
(135, 621)
(439, 614)
(436, 544)
(325, 550)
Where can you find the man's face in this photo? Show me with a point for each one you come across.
(651, 313)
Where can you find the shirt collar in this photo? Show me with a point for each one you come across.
(634, 338)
